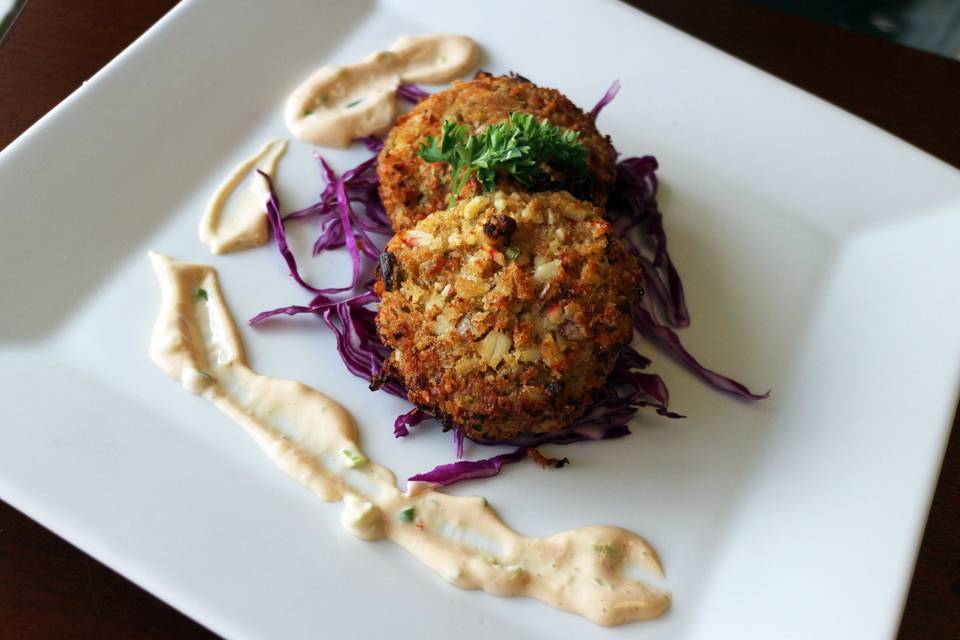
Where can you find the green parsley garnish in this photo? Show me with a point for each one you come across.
(308, 112)
(512, 252)
(518, 147)
(202, 294)
(354, 103)
(407, 514)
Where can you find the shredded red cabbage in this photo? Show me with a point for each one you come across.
(633, 212)
(339, 222)
(409, 419)
(668, 339)
(447, 474)
(353, 322)
(411, 93)
(372, 143)
(279, 234)
(351, 319)
(606, 99)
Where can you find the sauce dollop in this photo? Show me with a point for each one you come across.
(315, 440)
(236, 221)
(338, 104)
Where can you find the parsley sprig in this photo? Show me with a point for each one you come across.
(519, 146)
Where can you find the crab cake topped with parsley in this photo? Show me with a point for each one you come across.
(412, 188)
(506, 312)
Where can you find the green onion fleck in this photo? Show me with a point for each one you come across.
(606, 550)
(202, 294)
(406, 515)
(354, 103)
(308, 112)
(353, 458)
(484, 502)
(512, 252)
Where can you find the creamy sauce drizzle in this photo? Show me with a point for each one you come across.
(313, 439)
(338, 104)
(237, 221)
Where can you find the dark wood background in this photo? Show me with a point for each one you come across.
(48, 589)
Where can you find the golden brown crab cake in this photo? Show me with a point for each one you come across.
(506, 312)
(412, 188)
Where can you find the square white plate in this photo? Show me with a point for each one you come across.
(820, 260)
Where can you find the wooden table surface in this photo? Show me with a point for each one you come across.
(48, 589)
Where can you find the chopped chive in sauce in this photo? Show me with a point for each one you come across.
(512, 252)
(321, 100)
(606, 550)
(354, 103)
(353, 458)
(202, 294)
(406, 515)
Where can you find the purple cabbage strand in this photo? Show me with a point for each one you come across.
(447, 474)
(606, 99)
(411, 93)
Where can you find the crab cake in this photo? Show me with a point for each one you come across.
(506, 312)
(412, 188)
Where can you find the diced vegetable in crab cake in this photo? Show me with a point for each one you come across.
(412, 187)
(506, 312)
